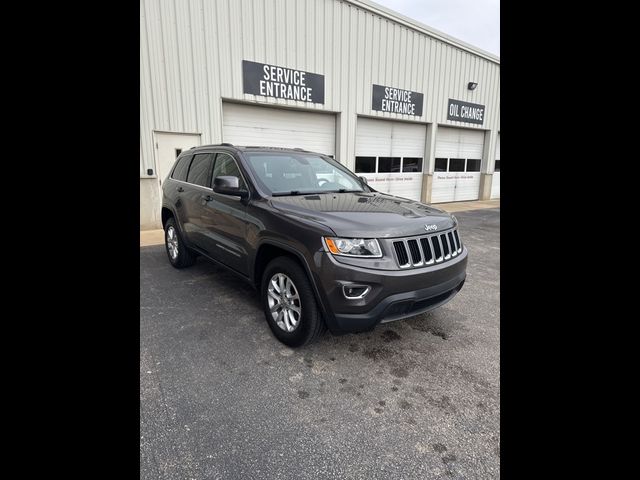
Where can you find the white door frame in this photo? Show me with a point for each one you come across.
(155, 147)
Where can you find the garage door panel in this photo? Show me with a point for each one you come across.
(459, 143)
(457, 186)
(274, 137)
(467, 187)
(408, 140)
(384, 138)
(373, 138)
(410, 186)
(443, 189)
(272, 127)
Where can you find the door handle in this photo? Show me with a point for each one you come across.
(180, 189)
(207, 198)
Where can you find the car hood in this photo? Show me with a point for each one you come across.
(366, 215)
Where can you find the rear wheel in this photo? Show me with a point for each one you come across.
(289, 303)
(179, 255)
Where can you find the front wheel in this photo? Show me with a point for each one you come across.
(289, 303)
(179, 255)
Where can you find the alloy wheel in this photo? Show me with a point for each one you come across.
(284, 302)
(172, 242)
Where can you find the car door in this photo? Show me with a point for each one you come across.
(224, 218)
(193, 199)
(173, 189)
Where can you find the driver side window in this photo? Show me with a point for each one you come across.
(226, 166)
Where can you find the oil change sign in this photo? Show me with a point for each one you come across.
(465, 112)
(282, 82)
(396, 100)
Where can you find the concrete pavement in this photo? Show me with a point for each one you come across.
(221, 398)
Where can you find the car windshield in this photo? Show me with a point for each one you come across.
(289, 173)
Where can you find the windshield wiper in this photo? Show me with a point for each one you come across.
(298, 192)
(286, 194)
(342, 190)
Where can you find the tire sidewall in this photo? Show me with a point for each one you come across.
(309, 309)
(179, 260)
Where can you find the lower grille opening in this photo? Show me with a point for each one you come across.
(397, 309)
(407, 307)
(429, 301)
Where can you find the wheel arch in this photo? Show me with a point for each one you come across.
(265, 253)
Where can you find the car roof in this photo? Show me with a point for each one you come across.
(253, 148)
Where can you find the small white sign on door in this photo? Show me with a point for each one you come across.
(406, 185)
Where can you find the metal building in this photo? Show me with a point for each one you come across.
(415, 111)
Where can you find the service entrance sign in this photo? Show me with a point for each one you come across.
(396, 100)
(282, 82)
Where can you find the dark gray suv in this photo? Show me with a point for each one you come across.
(323, 249)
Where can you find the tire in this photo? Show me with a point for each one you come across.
(173, 238)
(310, 324)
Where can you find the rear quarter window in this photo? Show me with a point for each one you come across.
(182, 167)
(200, 169)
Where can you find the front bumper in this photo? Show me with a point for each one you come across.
(395, 294)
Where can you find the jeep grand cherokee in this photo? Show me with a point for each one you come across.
(322, 248)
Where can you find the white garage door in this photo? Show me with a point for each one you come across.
(248, 125)
(456, 176)
(495, 181)
(389, 154)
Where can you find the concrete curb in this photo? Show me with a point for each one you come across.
(462, 206)
(151, 237)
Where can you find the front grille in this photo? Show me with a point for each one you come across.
(427, 250)
(416, 257)
(401, 253)
(428, 256)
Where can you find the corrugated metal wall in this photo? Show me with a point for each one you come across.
(192, 51)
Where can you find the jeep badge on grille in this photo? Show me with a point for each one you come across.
(428, 228)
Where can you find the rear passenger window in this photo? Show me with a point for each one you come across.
(180, 172)
(200, 169)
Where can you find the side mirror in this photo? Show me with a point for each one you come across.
(364, 180)
(228, 185)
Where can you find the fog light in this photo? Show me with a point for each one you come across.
(355, 292)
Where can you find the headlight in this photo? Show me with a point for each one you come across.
(455, 220)
(353, 247)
